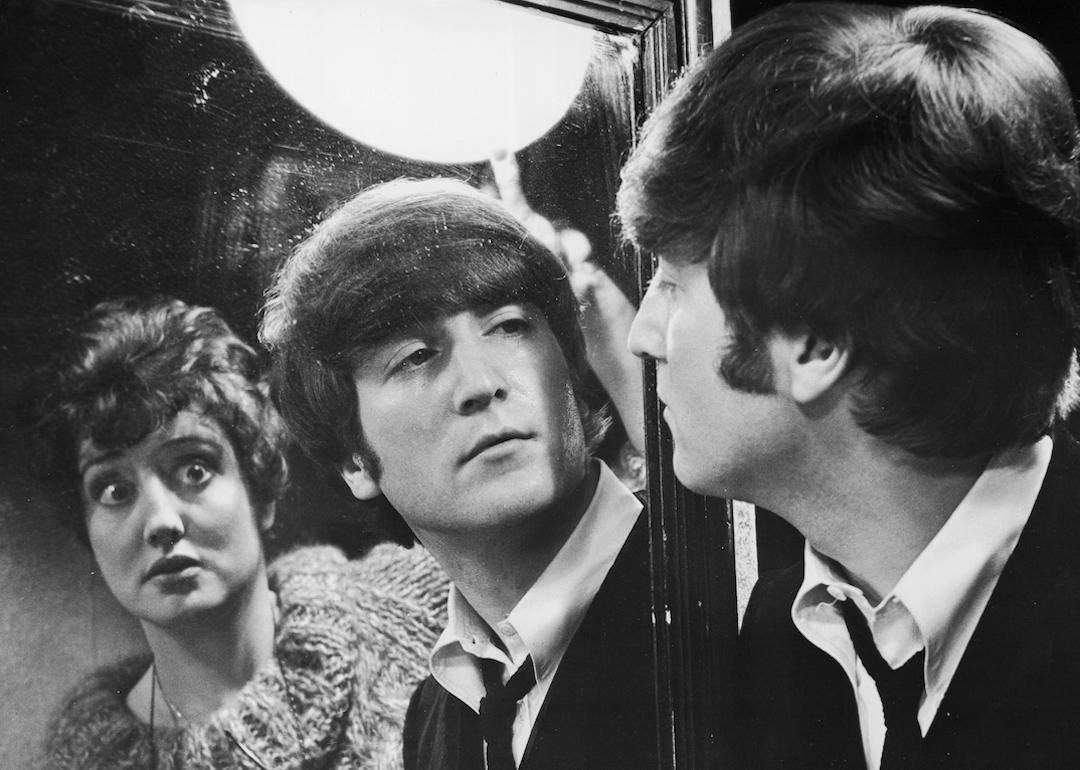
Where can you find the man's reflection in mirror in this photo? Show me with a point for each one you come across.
(156, 425)
(428, 348)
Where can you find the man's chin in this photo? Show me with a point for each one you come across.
(697, 479)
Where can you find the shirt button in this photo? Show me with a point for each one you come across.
(506, 629)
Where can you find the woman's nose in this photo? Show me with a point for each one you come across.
(162, 514)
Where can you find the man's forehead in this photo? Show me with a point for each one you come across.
(419, 326)
(419, 322)
(681, 252)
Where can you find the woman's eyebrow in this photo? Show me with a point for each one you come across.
(98, 459)
(193, 441)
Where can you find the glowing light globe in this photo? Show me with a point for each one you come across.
(449, 81)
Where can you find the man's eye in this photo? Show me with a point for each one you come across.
(417, 358)
(113, 493)
(513, 325)
(661, 282)
(194, 474)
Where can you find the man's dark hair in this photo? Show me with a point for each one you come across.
(395, 256)
(902, 181)
(130, 366)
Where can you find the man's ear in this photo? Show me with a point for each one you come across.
(810, 365)
(360, 482)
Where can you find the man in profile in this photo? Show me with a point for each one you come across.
(864, 319)
(427, 348)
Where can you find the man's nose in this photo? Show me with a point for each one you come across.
(161, 508)
(649, 329)
(480, 378)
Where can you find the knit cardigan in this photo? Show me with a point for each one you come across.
(352, 642)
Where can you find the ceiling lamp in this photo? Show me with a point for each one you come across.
(449, 81)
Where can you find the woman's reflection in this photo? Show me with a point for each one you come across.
(158, 428)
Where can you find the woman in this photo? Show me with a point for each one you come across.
(158, 431)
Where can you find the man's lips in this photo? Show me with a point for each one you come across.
(170, 565)
(490, 440)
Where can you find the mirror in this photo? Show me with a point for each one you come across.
(147, 151)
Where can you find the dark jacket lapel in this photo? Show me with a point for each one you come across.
(1013, 701)
(441, 732)
(794, 705)
(601, 709)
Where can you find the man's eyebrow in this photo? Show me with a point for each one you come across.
(361, 352)
(409, 326)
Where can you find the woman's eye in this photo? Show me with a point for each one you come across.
(195, 474)
(113, 493)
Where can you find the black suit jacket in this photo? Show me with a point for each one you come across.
(1014, 701)
(600, 711)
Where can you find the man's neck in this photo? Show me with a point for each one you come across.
(494, 568)
(875, 510)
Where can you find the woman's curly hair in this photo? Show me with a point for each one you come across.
(133, 364)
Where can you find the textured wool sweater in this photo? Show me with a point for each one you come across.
(352, 643)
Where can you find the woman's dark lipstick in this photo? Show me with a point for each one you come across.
(170, 565)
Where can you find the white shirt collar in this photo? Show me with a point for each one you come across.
(949, 584)
(938, 601)
(545, 619)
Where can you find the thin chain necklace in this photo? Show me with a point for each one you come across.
(178, 716)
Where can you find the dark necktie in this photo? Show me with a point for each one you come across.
(498, 708)
(900, 690)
